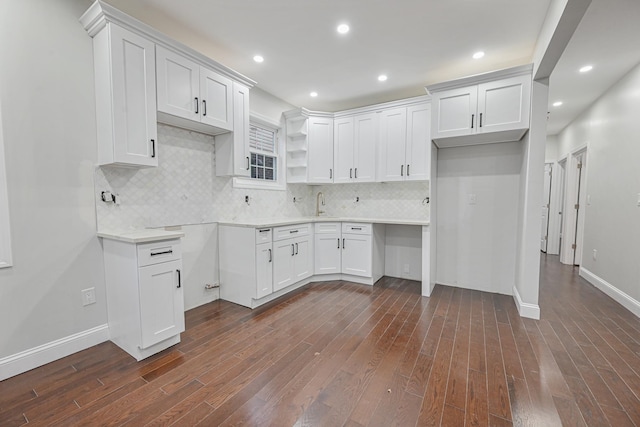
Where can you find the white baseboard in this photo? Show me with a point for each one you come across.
(54, 350)
(627, 301)
(532, 311)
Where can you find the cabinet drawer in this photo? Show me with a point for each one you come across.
(356, 228)
(263, 235)
(285, 232)
(327, 227)
(157, 252)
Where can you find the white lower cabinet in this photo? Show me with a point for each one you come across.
(292, 256)
(349, 248)
(145, 300)
(264, 270)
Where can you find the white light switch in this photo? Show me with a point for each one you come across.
(472, 198)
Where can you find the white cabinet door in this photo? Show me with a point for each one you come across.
(264, 270)
(356, 255)
(131, 96)
(393, 134)
(320, 150)
(343, 146)
(303, 259)
(504, 104)
(283, 267)
(161, 302)
(327, 253)
(241, 130)
(178, 85)
(216, 104)
(418, 151)
(365, 147)
(454, 112)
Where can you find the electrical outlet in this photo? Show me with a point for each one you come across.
(595, 254)
(88, 296)
(472, 199)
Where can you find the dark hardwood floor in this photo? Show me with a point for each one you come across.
(342, 354)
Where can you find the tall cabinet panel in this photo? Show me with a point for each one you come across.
(366, 134)
(125, 80)
(418, 149)
(393, 135)
(320, 150)
(343, 145)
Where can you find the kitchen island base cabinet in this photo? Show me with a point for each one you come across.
(145, 301)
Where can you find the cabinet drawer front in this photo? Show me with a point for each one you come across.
(327, 227)
(157, 252)
(356, 228)
(280, 233)
(263, 235)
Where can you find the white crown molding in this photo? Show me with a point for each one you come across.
(480, 78)
(100, 14)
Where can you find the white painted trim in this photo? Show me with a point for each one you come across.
(532, 311)
(6, 259)
(616, 294)
(54, 350)
(480, 78)
(406, 102)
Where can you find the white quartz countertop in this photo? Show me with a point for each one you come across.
(141, 236)
(290, 221)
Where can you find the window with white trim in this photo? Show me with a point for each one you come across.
(264, 156)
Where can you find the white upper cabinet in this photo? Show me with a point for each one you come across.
(125, 80)
(190, 91)
(496, 109)
(232, 149)
(320, 150)
(355, 148)
(405, 144)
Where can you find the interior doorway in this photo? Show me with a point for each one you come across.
(546, 206)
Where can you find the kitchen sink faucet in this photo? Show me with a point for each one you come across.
(319, 202)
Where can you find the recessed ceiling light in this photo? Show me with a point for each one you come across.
(382, 78)
(478, 55)
(258, 58)
(586, 68)
(313, 94)
(557, 103)
(343, 28)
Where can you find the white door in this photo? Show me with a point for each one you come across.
(178, 85)
(303, 260)
(418, 149)
(264, 270)
(134, 98)
(356, 255)
(454, 112)
(393, 138)
(283, 254)
(327, 253)
(343, 150)
(216, 105)
(320, 154)
(365, 147)
(546, 204)
(582, 205)
(504, 104)
(161, 302)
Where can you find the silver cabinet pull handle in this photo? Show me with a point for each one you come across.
(338, 243)
(293, 250)
(330, 173)
(153, 148)
(197, 105)
(179, 279)
(264, 230)
(270, 259)
(204, 107)
(296, 249)
(170, 251)
(408, 170)
(356, 173)
(472, 117)
(350, 172)
(480, 119)
(342, 243)
(247, 163)
(401, 170)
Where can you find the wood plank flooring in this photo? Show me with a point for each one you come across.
(342, 354)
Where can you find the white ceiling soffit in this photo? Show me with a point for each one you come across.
(414, 42)
(607, 38)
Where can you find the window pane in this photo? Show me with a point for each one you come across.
(268, 174)
(260, 173)
(253, 158)
(260, 160)
(254, 173)
(268, 162)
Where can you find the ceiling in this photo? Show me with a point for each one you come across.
(414, 42)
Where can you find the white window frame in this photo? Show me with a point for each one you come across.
(279, 183)
(6, 259)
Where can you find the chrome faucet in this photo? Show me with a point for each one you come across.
(319, 202)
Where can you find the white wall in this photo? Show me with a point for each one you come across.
(476, 243)
(403, 251)
(551, 149)
(46, 90)
(612, 219)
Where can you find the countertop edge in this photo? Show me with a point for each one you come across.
(141, 236)
(291, 221)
